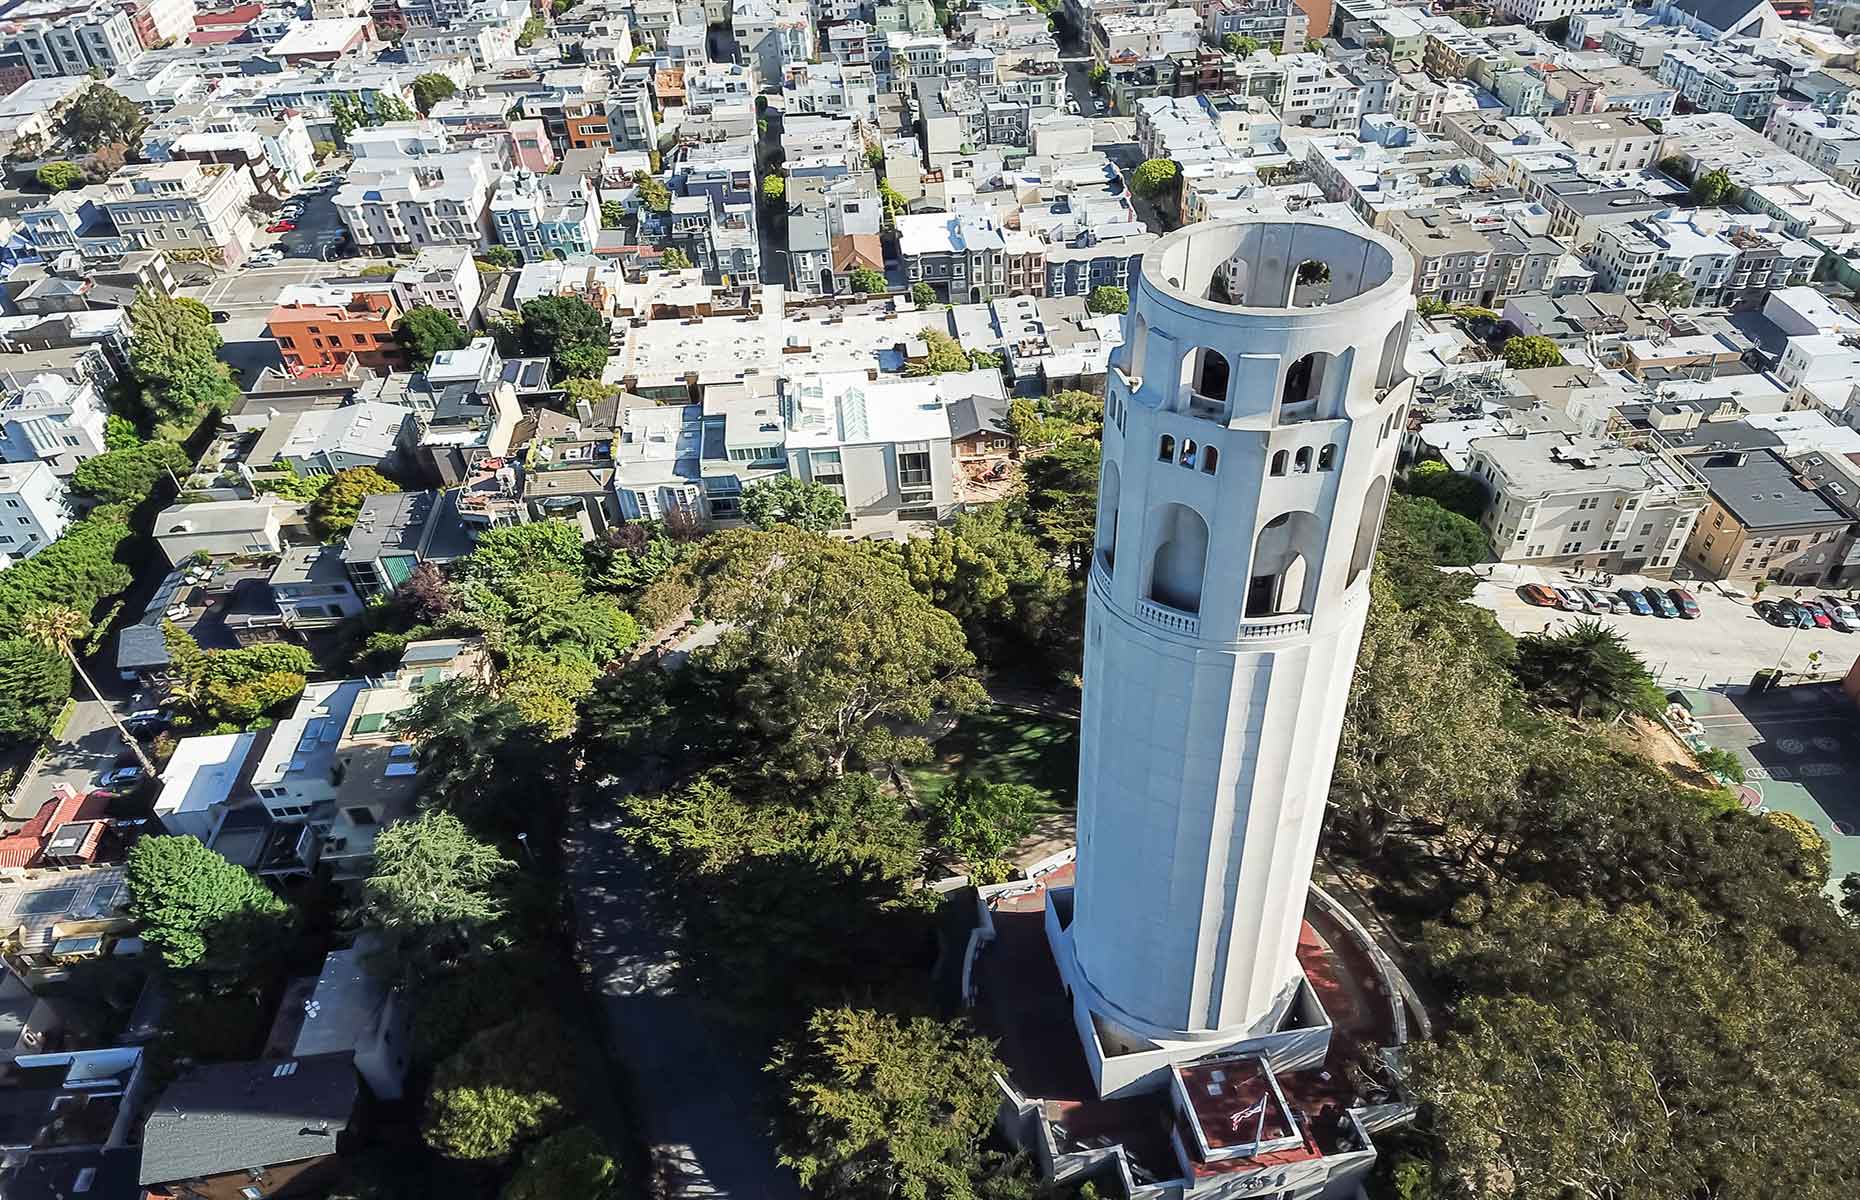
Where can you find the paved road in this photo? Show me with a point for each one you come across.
(90, 747)
(699, 1091)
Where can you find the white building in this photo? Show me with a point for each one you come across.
(184, 205)
(771, 35)
(1247, 459)
(538, 215)
(34, 509)
(442, 277)
(1542, 12)
(47, 418)
(392, 205)
(70, 39)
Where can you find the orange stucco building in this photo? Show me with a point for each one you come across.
(320, 329)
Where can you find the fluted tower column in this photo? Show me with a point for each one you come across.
(1251, 426)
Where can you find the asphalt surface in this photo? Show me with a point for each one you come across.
(699, 1090)
(90, 746)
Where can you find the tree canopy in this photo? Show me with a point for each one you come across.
(878, 1106)
(1588, 669)
(1670, 290)
(1711, 188)
(103, 117)
(785, 500)
(1062, 500)
(574, 1163)
(942, 353)
(567, 330)
(200, 912)
(333, 513)
(1107, 299)
(430, 88)
(1533, 350)
(35, 682)
(173, 351)
(234, 687)
(923, 295)
(1453, 490)
(674, 259)
(433, 882)
(989, 571)
(425, 331)
(60, 176)
(1154, 176)
(79, 569)
(130, 474)
(505, 1086)
(868, 281)
(976, 823)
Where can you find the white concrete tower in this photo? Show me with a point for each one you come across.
(1251, 425)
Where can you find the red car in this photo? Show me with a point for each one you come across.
(280, 226)
(1683, 600)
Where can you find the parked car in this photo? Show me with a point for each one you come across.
(1684, 601)
(265, 258)
(1540, 595)
(1603, 602)
(281, 227)
(1845, 618)
(1821, 619)
(1796, 614)
(221, 316)
(121, 779)
(1570, 600)
(1662, 603)
(1636, 603)
(147, 722)
(1772, 612)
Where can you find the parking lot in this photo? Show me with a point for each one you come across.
(1727, 643)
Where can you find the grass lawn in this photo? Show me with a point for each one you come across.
(1004, 745)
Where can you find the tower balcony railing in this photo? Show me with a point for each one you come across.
(1288, 625)
(1172, 619)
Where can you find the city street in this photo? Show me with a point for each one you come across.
(90, 746)
(1727, 643)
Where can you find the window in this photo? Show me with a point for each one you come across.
(1327, 458)
(1210, 459)
(1302, 463)
(1165, 449)
(914, 469)
(359, 815)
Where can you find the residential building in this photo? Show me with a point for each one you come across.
(183, 205)
(1461, 261)
(1277, 25)
(1542, 12)
(50, 419)
(312, 589)
(1607, 142)
(1726, 259)
(486, 44)
(442, 277)
(409, 189)
(1719, 81)
(355, 1009)
(961, 255)
(539, 216)
(770, 35)
(321, 328)
(224, 527)
(365, 434)
(1560, 499)
(69, 37)
(35, 509)
(321, 41)
(397, 532)
(250, 1128)
(1764, 522)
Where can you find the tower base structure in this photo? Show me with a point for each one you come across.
(1286, 1109)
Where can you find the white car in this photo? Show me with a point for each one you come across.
(265, 258)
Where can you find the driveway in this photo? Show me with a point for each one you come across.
(1727, 644)
(699, 1092)
(90, 747)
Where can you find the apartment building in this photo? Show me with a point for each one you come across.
(1764, 521)
(1461, 261)
(1716, 81)
(183, 205)
(771, 35)
(1607, 142)
(1828, 142)
(1277, 25)
(50, 419)
(961, 255)
(1726, 259)
(1542, 12)
(486, 44)
(442, 277)
(538, 215)
(407, 190)
(34, 509)
(70, 37)
(1560, 499)
(328, 329)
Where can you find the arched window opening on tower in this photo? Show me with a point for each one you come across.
(1368, 526)
(1327, 457)
(1302, 464)
(1207, 373)
(1282, 579)
(1165, 449)
(1188, 453)
(1134, 349)
(1210, 460)
(1311, 284)
(1304, 384)
(1393, 348)
(1278, 462)
(1110, 488)
(1181, 558)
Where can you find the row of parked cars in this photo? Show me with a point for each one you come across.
(1822, 612)
(1642, 602)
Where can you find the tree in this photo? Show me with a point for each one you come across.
(391, 108)
(1557, 31)
(613, 214)
(35, 683)
(1236, 43)
(1534, 350)
(322, 150)
(1669, 290)
(173, 351)
(506, 1085)
(120, 433)
(877, 1106)
(825, 646)
(1710, 188)
(425, 331)
(989, 571)
(1107, 299)
(868, 281)
(977, 823)
(505, 551)
(429, 89)
(575, 1162)
(533, 28)
(60, 176)
(674, 259)
(1434, 535)
(1588, 669)
(480, 759)
(59, 627)
(567, 330)
(1460, 493)
(236, 687)
(652, 192)
(334, 511)
(500, 257)
(1816, 857)
(785, 500)
(984, 360)
(1062, 500)
(1098, 74)
(774, 190)
(77, 570)
(941, 353)
(1154, 176)
(200, 912)
(131, 474)
(433, 882)
(923, 295)
(102, 117)
(892, 201)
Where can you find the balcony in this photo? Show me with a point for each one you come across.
(1172, 619)
(1289, 625)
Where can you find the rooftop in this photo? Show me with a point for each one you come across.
(233, 1116)
(1762, 491)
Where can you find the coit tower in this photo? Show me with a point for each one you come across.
(1251, 425)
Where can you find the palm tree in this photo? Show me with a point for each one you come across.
(59, 627)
